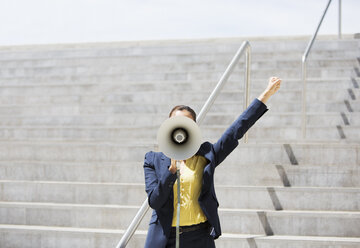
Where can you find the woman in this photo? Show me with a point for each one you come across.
(199, 219)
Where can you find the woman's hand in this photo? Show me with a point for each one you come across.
(274, 85)
(271, 89)
(172, 167)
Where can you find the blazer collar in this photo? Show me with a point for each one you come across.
(167, 160)
(200, 152)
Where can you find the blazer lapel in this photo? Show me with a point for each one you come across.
(166, 160)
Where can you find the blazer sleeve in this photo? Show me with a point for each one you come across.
(157, 189)
(229, 140)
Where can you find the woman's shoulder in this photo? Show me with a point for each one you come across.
(205, 148)
(206, 145)
(151, 155)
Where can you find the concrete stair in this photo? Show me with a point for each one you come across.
(242, 197)
(259, 222)
(118, 132)
(111, 172)
(76, 121)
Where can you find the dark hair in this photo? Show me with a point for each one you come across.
(184, 107)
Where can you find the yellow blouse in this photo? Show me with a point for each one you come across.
(190, 187)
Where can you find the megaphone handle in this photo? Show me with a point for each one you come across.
(178, 204)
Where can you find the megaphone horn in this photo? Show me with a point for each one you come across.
(179, 137)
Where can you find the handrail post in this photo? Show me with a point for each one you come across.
(339, 21)
(247, 84)
(244, 47)
(304, 71)
(303, 109)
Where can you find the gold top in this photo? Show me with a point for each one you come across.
(190, 186)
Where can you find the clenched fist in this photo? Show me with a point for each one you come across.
(271, 89)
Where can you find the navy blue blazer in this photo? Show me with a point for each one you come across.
(159, 180)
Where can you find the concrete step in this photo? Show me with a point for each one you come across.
(163, 108)
(293, 223)
(63, 58)
(70, 215)
(265, 72)
(74, 151)
(244, 197)
(115, 79)
(288, 198)
(76, 107)
(292, 110)
(331, 134)
(321, 153)
(166, 63)
(342, 224)
(117, 133)
(103, 120)
(282, 241)
(320, 176)
(252, 153)
(25, 236)
(107, 91)
(344, 71)
(16, 236)
(102, 172)
(80, 107)
(110, 93)
(18, 59)
(122, 66)
(107, 85)
(229, 173)
(169, 47)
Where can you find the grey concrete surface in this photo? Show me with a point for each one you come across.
(76, 121)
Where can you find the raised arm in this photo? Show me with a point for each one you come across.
(229, 140)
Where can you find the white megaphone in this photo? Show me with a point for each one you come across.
(179, 137)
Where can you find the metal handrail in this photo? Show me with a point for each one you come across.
(245, 47)
(304, 59)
